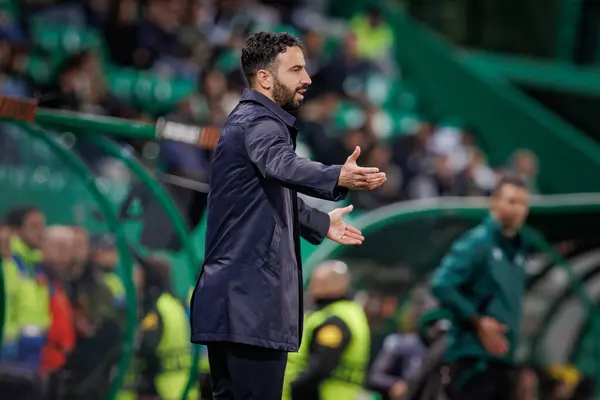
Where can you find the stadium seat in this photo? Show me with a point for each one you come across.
(60, 41)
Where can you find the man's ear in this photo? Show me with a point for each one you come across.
(264, 79)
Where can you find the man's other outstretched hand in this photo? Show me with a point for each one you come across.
(341, 232)
(360, 178)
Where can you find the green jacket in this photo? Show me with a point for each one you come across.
(483, 274)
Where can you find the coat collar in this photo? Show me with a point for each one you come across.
(254, 96)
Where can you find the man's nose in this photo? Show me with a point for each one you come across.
(306, 80)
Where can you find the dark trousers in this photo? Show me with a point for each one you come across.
(242, 372)
(470, 381)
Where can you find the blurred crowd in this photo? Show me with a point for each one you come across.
(198, 42)
(65, 312)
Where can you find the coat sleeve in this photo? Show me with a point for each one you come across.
(455, 271)
(270, 150)
(314, 224)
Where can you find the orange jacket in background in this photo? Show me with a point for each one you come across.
(61, 334)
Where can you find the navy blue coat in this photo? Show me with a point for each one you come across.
(250, 289)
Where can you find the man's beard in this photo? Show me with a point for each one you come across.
(285, 97)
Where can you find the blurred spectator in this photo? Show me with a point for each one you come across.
(380, 156)
(400, 358)
(477, 178)
(375, 36)
(313, 51)
(416, 162)
(121, 31)
(212, 92)
(81, 253)
(345, 73)
(159, 27)
(97, 296)
(12, 81)
(525, 165)
(57, 250)
(164, 338)
(27, 314)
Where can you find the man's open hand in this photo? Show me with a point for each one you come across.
(491, 334)
(360, 178)
(339, 231)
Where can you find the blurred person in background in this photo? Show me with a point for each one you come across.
(415, 160)
(121, 32)
(524, 164)
(27, 314)
(375, 36)
(427, 384)
(104, 259)
(313, 51)
(162, 362)
(158, 29)
(347, 64)
(316, 123)
(401, 354)
(333, 358)
(380, 156)
(57, 251)
(477, 178)
(213, 91)
(98, 298)
(81, 252)
(482, 282)
(12, 54)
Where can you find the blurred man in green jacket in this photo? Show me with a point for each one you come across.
(482, 282)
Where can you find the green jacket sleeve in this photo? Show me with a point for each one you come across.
(455, 271)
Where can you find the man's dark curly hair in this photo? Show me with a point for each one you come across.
(261, 50)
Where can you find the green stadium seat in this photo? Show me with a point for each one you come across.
(228, 61)
(39, 68)
(153, 93)
(389, 124)
(61, 41)
(349, 116)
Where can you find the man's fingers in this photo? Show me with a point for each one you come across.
(354, 241)
(376, 184)
(497, 345)
(375, 177)
(354, 156)
(353, 235)
(346, 209)
(350, 240)
(353, 230)
(366, 171)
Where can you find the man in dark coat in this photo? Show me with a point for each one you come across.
(247, 306)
